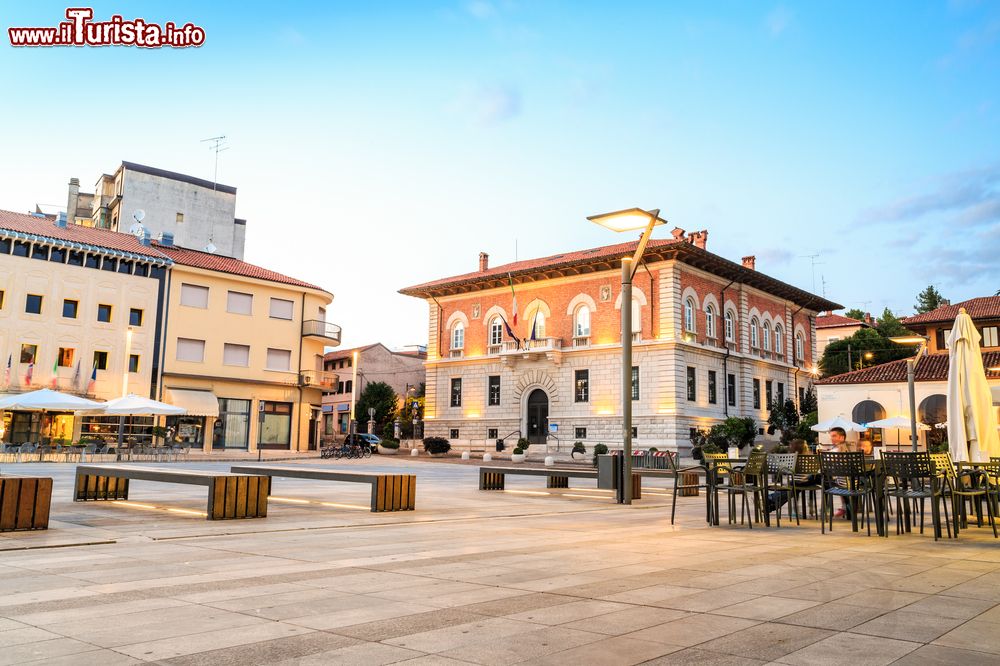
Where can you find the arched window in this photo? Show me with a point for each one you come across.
(689, 315)
(779, 341)
(636, 316)
(581, 322)
(754, 333)
(800, 348)
(933, 410)
(730, 326)
(537, 324)
(710, 321)
(458, 336)
(496, 331)
(867, 411)
(767, 336)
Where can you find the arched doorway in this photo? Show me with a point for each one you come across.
(864, 413)
(538, 416)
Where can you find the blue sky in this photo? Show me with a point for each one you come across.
(378, 145)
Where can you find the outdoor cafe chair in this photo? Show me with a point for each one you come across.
(914, 478)
(749, 480)
(676, 473)
(781, 473)
(806, 482)
(846, 475)
(975, 482)
(718, 469)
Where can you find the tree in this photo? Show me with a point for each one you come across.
(380, 397)
(738, 431)
(783, 417)
(855, 313)
(836, 359)
(929, 299)
(808, 402)
(889, 325)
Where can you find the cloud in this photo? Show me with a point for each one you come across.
(968, 198)
(778, 20)
(481, 9)
(489, 104)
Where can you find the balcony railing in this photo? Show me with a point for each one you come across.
(581, 341)
(316, 328)
(319, 379)
(493, 350)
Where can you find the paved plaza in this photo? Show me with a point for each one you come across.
(528, 575)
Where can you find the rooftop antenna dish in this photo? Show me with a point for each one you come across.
(137, 229)
(139, 215)
(210, 248)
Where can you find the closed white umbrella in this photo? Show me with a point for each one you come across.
(48, 400)
(972, 422)
(838, 422)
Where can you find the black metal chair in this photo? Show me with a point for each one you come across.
(749, 480)
(781, 473)
(847, 475)
(973, 483)
(913, 477)
(676, 472)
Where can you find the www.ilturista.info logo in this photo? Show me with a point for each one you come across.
(80, 30)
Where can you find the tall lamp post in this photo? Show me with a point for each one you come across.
(911, 368)
(354, 391)
(628, 220)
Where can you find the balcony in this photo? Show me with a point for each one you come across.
(581, 341)
(321, 379)
(532, 350)
(323, 331)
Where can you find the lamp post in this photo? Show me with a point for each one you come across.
(354, 391)
(121, 419)
(628, 220)
(911, 367)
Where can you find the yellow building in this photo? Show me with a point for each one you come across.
(243, 352)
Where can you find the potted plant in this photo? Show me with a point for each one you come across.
(436, 446)
(520, 453)
(158, 433)
(388, 447)
(579, 451)
(600, 450)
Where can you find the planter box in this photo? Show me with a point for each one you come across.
(579, 456)
(437, 455)
(518, 457)
(386, 452)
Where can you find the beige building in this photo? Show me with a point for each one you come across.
(243, 352)
(831, 327)
(78, 312)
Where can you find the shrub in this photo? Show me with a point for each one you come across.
(578, 447)
(518, 451)
(523, 443)
(389, 444)
(653, 449)
(600, 450)
(436, 445)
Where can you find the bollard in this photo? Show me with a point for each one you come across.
(465, 455)
(550, 461)
(487, 457)
(414, 452)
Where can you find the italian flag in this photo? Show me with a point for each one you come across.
(514, 296)
(55, 374)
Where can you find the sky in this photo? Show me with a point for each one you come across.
(853, 147)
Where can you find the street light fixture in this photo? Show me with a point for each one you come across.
(630, 219)
(911, 366)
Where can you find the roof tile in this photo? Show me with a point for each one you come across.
(984, 307)
(930, 368)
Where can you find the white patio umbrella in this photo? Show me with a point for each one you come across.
(838, 422)
(136, 405)
(972, 421)
(897, 423)
(48, 400)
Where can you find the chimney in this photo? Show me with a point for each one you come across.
(484, 261)
(60, 220)
(166, 239)
(145, 240)
(699, 238)
(677, 233)
(73, 200)
(868, 318)
(750, 261)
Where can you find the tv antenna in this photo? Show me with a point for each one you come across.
(217, 144)
(812, 260)
(137, 229)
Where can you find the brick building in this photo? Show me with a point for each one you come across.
(712, 338)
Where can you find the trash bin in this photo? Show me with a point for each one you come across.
(499, 445)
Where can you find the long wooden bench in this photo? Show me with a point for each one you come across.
(229, 495)
(24, 503)
(493, 478)
(390, 492)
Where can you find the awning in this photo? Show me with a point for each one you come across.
(197, 403)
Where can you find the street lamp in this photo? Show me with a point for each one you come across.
(911, 366)
(628, 220)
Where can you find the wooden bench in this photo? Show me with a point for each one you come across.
(390, 492)
(229, 495)
(24, 503)
(493, 478)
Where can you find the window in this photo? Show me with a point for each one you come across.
(133, 363)
(1, 298)
(689, 315)
(70, 308)
(494, 391)
(781, 393)
(492, 433)
(21, 249)
(754, 333)
(75, 258)
(756, 394)
(232, 428)
(635, 432)
(239, 303)
(581, 322)
(990, 336)
(340, 387)
(93, 261)
(692, 385)
(802, 395)
(104, 313)
(767, 336)
(238, 355)
(109, 264)
(635, 382)
(456, 391)
(730, 326)
(349, 386)
(581, 380)
(580, 433)
(101, 360)
(279, 359)
(58, 255)
(190, 350)
(538, 325)
(125, 267)
(142, 270)
(496, 331)
(29, 353)
(453, 433)
(40, 252)
(65, 358)
(458, 336)
(134, 317)
(779, 341)
(800, 347)
(731, 390)
(710, 322)
(194, 296)
(769, 393)
(180, 218)
(281, 309)
(33, 304)
(712, 388)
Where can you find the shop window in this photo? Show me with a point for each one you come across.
(276, 425)
(232, 428)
